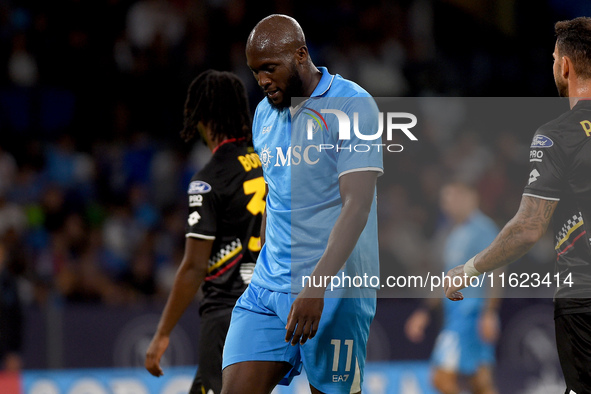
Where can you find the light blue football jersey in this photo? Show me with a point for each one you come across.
(465, 241)
(303, 151)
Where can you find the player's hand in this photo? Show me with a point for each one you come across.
(155, 351)
(489, 326)
(416, 324)
(452, 291)
(304, 316)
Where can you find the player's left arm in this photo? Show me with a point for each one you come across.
(517, 237)
(189, 277)
(357, 191)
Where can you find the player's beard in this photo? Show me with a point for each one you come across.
(561, 85)
(294, 88)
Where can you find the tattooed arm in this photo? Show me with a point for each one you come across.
(515, 239)
(519, 235)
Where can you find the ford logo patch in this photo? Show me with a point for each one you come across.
(541, 141)
(199, 187)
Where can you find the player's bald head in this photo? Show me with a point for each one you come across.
(277, 55)
(276, 34)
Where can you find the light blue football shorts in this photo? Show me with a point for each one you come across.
(333, 360)
(460, 349)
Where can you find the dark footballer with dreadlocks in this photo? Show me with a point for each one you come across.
(226, 204)
(217, 99)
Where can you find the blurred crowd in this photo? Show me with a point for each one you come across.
(93, 173)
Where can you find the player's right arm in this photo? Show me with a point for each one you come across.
(188, 278)
(546, 183)
(517, 237)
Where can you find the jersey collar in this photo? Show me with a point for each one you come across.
(324, 84)
(583, 102)
(224, 142)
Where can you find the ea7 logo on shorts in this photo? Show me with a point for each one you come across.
(541, 141)
(199, 187)
(533, 176)
(340, 378)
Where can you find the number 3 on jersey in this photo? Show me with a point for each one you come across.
(256, 205)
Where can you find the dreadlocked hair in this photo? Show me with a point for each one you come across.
(218, 100)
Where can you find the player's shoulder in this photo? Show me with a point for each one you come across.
(554, 126)
(223, 167)
(228, 161)
(568, 128)
(263, 108)
(201, 184)
(348, 96)
(342, 87)
(263, 114)
(203, 181)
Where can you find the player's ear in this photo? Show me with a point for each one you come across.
(301, 54)
(566, 66)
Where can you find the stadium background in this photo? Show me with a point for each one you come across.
(93, 173)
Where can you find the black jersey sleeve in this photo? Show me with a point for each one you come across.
(547, 167)
(203, 203)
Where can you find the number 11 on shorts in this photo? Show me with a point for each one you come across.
(337, 354)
